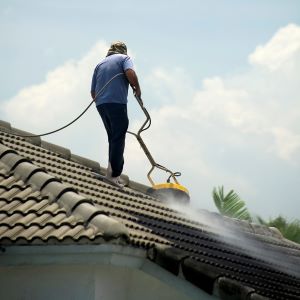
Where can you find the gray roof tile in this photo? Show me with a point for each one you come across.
(58, 195)
(49, 196)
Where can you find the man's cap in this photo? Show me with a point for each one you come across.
(117, 48)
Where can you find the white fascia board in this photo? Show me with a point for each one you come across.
(117, 255)
(107, 254)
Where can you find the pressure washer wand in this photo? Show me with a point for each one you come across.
(144, 127)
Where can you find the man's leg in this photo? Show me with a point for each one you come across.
(106, 122)
(117, 114)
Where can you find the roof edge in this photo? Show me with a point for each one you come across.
(201, 273)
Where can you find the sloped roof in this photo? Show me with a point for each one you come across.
(49, 196)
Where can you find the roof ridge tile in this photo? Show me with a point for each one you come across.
(5, 125)
(167, 257)
(92, 164)
(70, 200)
(12, 160)
(26, 170)
(227, 288)
(66, 196)
(64, 152)
(109, 227)
(201, 273)
(31, 138)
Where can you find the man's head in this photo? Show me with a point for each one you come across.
(117, 48)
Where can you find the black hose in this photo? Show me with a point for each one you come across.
(65, 126)
(56, 130)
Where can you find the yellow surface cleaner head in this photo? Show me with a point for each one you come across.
(170, 192)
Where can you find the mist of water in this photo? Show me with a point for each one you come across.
(231, 232)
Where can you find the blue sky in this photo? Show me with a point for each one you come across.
(218, 77)
(40, 35)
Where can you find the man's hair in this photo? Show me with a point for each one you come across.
(117, 48)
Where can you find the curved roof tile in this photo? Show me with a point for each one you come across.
(49, 196)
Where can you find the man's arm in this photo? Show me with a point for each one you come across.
(93, 85)
(134, 82)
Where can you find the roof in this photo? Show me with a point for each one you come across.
(49, 196)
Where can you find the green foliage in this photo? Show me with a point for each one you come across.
(290, 230)
(230, 205)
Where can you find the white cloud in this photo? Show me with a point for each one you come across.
(287, 144)
(61, 96)
(171, 91)
(280, 50)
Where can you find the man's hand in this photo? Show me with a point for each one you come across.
(136, 92)
(93, 94)
(134, 82)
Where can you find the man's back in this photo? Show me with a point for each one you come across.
(117, 89)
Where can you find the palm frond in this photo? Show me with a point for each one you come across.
(217, 196)
(230, 205)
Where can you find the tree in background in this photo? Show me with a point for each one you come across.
(232, 206)
(290, 230)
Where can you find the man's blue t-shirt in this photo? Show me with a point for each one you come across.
(117, 90)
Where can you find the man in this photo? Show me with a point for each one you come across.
(109, 89)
